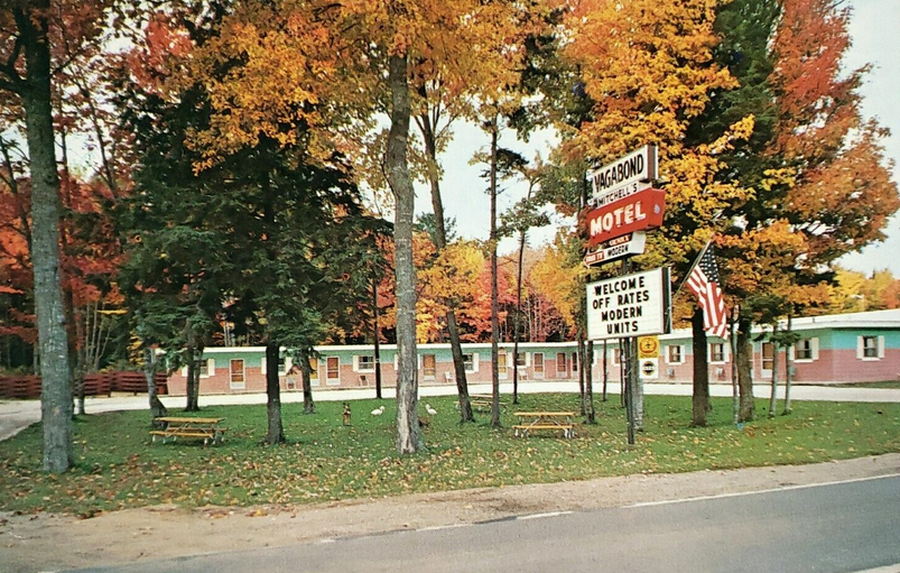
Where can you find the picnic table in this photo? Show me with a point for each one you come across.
(189, 427)
(529, 421)
(483, 401)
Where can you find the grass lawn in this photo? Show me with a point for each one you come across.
(117, 465)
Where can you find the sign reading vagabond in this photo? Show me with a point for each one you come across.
(630, 305)
(626, 175)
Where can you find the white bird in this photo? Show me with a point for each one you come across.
(431, 411)
(378, 411)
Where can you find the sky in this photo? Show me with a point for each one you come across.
(875, 40)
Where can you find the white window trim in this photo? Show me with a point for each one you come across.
(358, 368)
(726, 353)
(813, 351)
(503, 375)
(332, 381)
(879, 348)
(680, 353)
(237, 385)
(543, 363)
(210, 369)
(474, 368)
(527, 359)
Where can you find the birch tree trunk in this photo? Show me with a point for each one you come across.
(787, 371)
(459, 365)
(56, 390)
(409, 439)
(773, 398)
(495, 310)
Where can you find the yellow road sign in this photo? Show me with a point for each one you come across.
(648, 347)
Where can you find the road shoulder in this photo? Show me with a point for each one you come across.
(46, 542)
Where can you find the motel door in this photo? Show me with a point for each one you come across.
(236, 375)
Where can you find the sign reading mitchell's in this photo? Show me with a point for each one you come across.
(630, 305)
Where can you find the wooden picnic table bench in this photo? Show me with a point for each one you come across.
(545, 421)
(189, 427)
(483, 401)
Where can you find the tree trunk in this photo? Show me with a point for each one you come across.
(157, 408)
(376, 336)
(630, 377)
(700, 401)
(587, 366)
(773, 397)
(787, 371)
(309, 407)
(744, 358)
(409, 439)
(580, 354)
(56, 391)
(194, 355)
(275, 433)
(605, 370)
(495, 295)
(440, 237)
(517, 327)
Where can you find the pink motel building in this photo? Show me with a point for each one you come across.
(840, 348)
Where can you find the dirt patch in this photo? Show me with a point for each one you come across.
(46, 542)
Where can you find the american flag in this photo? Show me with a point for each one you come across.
(704, 282)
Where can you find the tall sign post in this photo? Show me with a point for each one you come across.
(622, 207)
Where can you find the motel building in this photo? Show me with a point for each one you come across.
(840, 348)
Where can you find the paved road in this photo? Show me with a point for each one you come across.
(18, 414)
(849, 526)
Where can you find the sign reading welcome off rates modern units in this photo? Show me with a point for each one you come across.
(630, 305)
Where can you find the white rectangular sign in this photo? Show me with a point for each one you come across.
(624, 176)
(630, 244)
(630, 305)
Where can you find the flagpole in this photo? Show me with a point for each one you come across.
(690, 270)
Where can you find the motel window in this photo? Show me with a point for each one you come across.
(469, 362)
(428, 365)
(806, 349)
(538, 359)
(674, 354)
(501, 365)
(332, 369)
(365, 363)
(717, 352)
(314, 368)
(204, 368)
(282, 364)
(574, 362)
(870, 347)
(617, 355)
(521, 359)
